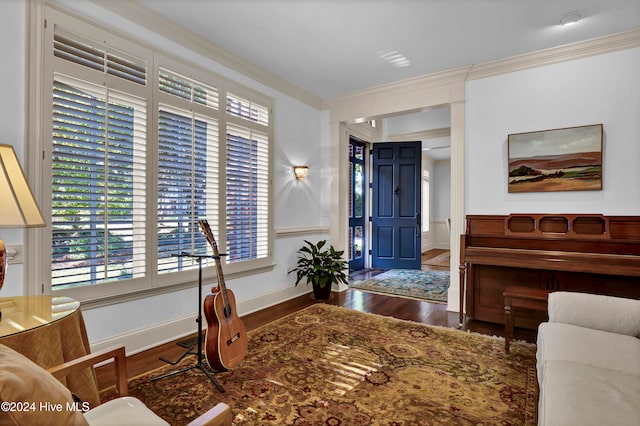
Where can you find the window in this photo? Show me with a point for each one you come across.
(247, 193)
(187, 168)
(138, 150)
(98, 170)
(248, 110)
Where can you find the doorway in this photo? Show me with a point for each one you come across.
(430, 93)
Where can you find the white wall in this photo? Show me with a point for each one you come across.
(12, 22)
(601, 89)
(441, 187)
(440, 202)
(297, 140)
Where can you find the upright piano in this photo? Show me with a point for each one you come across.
(571, 252)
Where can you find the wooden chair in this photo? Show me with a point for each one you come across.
(23, 382)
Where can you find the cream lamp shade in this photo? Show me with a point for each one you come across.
(18, 208)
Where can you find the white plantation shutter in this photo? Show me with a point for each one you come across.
(247, 193)
(127, 123)
(187, 89)
(99, 180)
(244, 108)
(79, 50)
(187, 184)
(188, 168)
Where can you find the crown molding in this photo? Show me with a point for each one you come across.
(444, 78)
(421, 135)
(568, 52)
(136, 12)
(554, 55)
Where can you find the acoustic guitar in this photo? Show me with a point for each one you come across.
(226, 336)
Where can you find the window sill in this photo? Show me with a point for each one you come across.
(110, 300)
(99, 302)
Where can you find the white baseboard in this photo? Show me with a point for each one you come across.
(148, 337)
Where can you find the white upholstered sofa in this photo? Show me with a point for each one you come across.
(588, 360)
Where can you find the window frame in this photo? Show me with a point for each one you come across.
(42, 18)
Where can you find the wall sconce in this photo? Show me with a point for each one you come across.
(300, 172)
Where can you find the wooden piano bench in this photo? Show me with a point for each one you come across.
(524, 298)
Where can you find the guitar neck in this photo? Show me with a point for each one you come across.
(206, 229)
(221, 284)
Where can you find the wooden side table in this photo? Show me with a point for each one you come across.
(49, 331)
(524, 298)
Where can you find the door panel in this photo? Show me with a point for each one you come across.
(385, 191)
(407, 203)
(407, 244)
(385, 234)
(396, 205)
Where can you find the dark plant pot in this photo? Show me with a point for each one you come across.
(322, 293)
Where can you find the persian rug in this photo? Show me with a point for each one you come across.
(328, 365)
(442, 259)
(413, 283)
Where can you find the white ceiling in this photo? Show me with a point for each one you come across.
(332, 47)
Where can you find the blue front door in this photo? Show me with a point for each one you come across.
(396, 205)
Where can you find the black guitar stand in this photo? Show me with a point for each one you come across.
(199, 363)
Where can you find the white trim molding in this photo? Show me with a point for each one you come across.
(440, 88)
(421, 135)
(554, 55)
(299, 232)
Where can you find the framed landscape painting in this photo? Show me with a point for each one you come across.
(568, 159)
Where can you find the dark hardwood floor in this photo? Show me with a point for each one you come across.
(403, 308)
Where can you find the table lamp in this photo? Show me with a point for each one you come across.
(18, 209)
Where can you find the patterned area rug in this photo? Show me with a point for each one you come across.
(328, 365)
(413, 283)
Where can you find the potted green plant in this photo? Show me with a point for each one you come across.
(321, 268)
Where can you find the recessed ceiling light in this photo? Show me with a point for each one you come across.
(395, 59)
(570, 18)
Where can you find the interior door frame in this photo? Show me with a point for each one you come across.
(428, 92)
